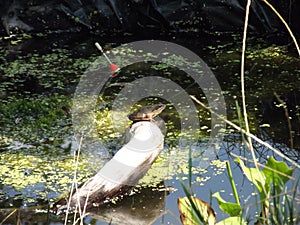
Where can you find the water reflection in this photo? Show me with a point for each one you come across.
(144, 206)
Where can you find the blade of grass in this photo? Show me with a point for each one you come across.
(74, 183)
(189, 194)
(190, 164)
(240, 118)
(9, 215)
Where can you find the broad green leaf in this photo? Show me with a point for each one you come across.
(277, 173)
(255, 176)
(191, 207)
(232, 209)
(235, 220)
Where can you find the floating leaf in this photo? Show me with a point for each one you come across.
(191, 207)
(265, 125)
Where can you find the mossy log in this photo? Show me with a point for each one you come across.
(124, 170)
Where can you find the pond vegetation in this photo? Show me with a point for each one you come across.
(36, 135)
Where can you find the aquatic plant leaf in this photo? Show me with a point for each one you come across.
(277, 173)
(255, 176)
(191, 207)
(232, 209)
(234, 220)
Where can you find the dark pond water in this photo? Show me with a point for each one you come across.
(40, 74)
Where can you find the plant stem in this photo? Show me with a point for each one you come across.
(190, 168)
(236, 196)
(286, 113)
(285, 24)
(249, 140)
(238, 109)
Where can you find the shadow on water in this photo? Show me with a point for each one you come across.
(38, 79)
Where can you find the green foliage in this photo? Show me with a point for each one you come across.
(270, 182)
(284, 210)
(277, 174)
(232, 209)
(254, 176)
(234, 220)
(194, 210)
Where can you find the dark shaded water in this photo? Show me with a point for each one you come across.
(38, 78)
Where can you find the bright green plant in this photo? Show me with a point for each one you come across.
(270, 183)
(234, 210)
(275, 174)
(277, 206)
